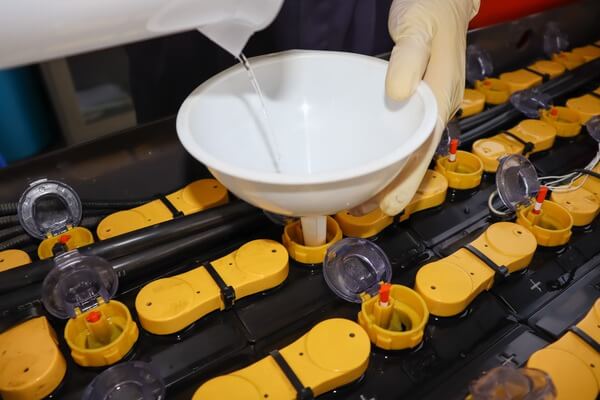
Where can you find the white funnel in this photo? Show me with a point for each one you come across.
(341, 140)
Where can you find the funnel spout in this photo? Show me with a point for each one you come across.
(314, 230)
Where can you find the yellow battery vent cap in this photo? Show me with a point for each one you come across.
(393, 316)
(99, 331)
(293, 240)
(13, 258)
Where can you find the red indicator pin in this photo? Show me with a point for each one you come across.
(384, 294)
(539, 200)
(453, 150)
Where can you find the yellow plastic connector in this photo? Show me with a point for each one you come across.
(398, 325)
(168, 305)
(587, 106)
(568, 59)
(13, 258)
(73, 238)
(333, 353)
(550, 68)
(431, 193)
(449, 285)
(520, 79)
(495, 91)
(197, 196)
(473, 103)
(293, 240)
(588, 53)
(101, 336)
(31, 365)
(566, 121)
(583, 203)
(464, 173)
(540, 134)
(571, 361)
(551, 228)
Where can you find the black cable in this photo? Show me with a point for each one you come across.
(11, 232)
(9, 220)
(113, 204)
(8, 208)
(135, 241)
(149, 261)
(15, 243)
(588, 172)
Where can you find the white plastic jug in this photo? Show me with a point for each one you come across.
(38, 30)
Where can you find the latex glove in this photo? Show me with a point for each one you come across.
(430, 41)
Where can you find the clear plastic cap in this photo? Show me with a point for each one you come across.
(530, 101)
(593, 127)
(479, 64)
(354, 266)
(134, 380)
(555, 40)
(279, 219)
(516, 181)
(452, 131)
(507, 383)
(77, 281)
(48, 207)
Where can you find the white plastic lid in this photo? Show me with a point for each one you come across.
(530, 101)
(354, 266)
(134, 380)
(48, 207)
(516, 181)
(77, 281)
(593, 127)
(479, 64)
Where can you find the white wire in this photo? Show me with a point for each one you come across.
(557, 183)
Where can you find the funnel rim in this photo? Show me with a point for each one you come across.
(416, 139)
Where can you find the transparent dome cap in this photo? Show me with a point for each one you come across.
(48, 207)
(516, 181)
(478, 64)
(593, 127)
(504, 382)
(134, 380)
(555, 40)
(354, 266)
(78, 281)
(530, 101)
(452, 131)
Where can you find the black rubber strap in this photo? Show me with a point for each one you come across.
(227, 292)
(302, 392)
(596, 95)
(528, 145)
(545, 77)
(176, 213)
(501, 270)
(586, 338)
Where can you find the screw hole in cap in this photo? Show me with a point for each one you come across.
(354, 266)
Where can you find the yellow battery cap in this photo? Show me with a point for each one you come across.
(431, 193)
(168, 305)
(568, 59)
(550, 68)
(552, 228)
(449, 285)
(520, 79)
(464, 173)
(393, 316)
(495, 91)
(473, 103)
(583, 203)
(51, 211)
(99, 331)
(293, 240)
(333, 353)
(31, 365)
(197, 196)
(587, 106)
(529, 136)
(589, 52)
(13, 258)
(572, 361)
(566, 121)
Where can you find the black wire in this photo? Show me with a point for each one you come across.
(9, 220)
(588, 172)
(16, 242)
(11, 232)
(113, 204)
(8, 208)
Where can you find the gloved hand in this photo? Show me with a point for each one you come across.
(430, 40)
